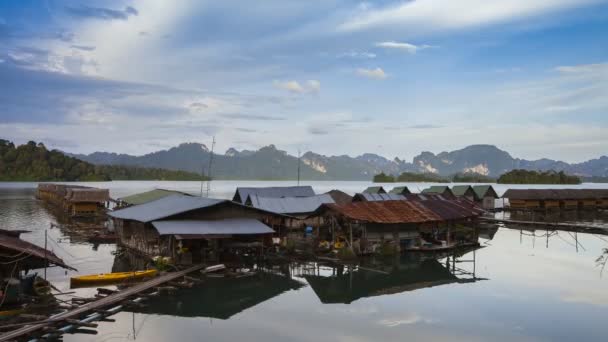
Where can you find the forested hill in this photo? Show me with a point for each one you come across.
(33, 162)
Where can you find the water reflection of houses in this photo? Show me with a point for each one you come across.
(221, 298)
(346, 285)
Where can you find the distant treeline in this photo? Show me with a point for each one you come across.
(511, 177)
(433, 178)
(595, 179)
(536, 177)
(33, 162)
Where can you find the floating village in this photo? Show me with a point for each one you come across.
(176, 244)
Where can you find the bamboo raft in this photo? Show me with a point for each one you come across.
(71, 317)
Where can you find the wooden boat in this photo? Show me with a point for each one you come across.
(110, 278)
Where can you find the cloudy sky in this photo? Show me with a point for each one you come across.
(332, 76)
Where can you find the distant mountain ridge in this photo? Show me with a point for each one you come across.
(271, 163)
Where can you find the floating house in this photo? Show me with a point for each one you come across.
(406, 224)
(374, 190)
(548, 199)
(485, 196)
(86, 202)
(400, 190)
(17, 259)
(148, 196)
(241, 194)
(76, 200)
(25, 256)
(464, 191)
(371, 197)
(442, 190)
(193, 229)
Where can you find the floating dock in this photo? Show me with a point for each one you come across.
(571, 227)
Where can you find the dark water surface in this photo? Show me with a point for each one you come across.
(521, 286)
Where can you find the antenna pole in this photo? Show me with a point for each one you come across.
(299, 166)
(209, 167)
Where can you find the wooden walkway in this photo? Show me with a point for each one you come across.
(100, 304)
(571, 227)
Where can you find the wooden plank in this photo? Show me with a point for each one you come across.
(103, 302)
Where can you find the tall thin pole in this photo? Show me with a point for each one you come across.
(299, 166)
(209, 167)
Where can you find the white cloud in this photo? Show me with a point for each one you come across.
(407, 47)
(358, 54)
(449, 14)
(596, 69)
(376, 73)
(314, 85)
(310, 86)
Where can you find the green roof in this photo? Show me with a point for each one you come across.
(482, 190)
(436, 189)
(374, 190)
(461, 190)
(149, 196)
(400, 190)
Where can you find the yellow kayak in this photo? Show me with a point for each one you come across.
(110, 278)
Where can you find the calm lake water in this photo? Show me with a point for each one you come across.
(521, 285)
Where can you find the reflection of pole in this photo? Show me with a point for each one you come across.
(46, 260)
(576, 240)
(474, 263)
(547, 239)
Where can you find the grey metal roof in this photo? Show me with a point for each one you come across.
(289, 205)
(241, 194)
(238, 226)
(377, 197)
(164, 207)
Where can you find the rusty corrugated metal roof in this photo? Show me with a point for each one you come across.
(340, 197)
(26, 252)
(389, 212)
(88, 195)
